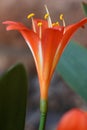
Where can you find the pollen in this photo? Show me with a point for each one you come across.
(61, 17)
(33, 25)
(39, 24)
(55, 24)
(30, 15)
(46, 16)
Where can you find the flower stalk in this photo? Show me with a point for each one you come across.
(43, 115)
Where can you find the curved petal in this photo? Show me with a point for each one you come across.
(68, 32)
(30, 37)
(14, 25)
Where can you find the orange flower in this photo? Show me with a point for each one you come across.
(46, 42)
(75, 119)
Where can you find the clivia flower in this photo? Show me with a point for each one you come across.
(47, 42)
(74, 119)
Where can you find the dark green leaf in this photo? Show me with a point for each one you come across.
(84, 6)
(73, 68)
(13, 93)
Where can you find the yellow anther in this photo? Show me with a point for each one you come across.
(55, 24)
(30, 15)
(39, 24)
(33, 25)
(46, 16)
(61, 17)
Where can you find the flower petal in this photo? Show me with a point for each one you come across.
(30, 37)
(68, 32)
(50, 43)
(14, 25)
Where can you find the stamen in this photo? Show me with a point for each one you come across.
(40, 29)
(61, 18)
(39, 24)
(47, 16)
(31, 16)
(55, 24)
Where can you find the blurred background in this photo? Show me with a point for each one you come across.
(13, 49)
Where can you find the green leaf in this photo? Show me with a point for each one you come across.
(73, 68)
(13, 93)
(84, 6)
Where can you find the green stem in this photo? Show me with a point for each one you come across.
(43, 110)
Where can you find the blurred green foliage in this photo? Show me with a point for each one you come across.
(84, 6)
(73, 68)
(73, 65)
(13, 94)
